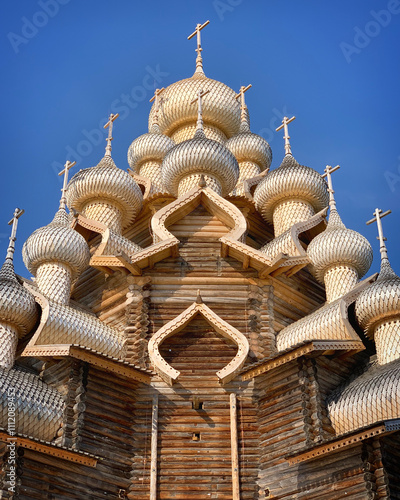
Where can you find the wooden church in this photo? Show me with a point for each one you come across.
(199, 327)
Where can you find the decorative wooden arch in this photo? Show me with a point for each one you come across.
(167, 372)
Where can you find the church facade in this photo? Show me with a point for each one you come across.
(199, 326)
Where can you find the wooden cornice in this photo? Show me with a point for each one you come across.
(315, 347)
(112, 365)
(53, 450)
(338, 443)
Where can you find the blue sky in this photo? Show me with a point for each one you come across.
(335, 65)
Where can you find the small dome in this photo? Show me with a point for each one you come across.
(246, 146)
(105, 182)
(148, 147)
(338, 245)
(56, 242)
(290, 181)
(17, 304)
(380, 300)
(221, 108)
(200, 156)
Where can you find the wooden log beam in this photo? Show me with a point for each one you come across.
(153, 463)
(234, 449)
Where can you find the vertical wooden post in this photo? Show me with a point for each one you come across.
(154, 435)
(234, 449)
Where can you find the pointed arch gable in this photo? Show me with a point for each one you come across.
(225, 211)
(168, 373)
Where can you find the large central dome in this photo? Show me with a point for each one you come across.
(177, 116)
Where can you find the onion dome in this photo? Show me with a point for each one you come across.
(151, 147)
(147, 152)
(221, 112)
(94, 190)
(252, 151)
(249, 147)
(17, 304)
(378, 307)
(18, 311)
(340, 256)
(289, 194)
(380, 301)
(57, 242)
(185, 163)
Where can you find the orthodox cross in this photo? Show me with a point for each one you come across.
(14, 223)
(284, 126)
(156, 98)
(199, 61)
(328, 174)
(378, 216)
(200, 95)
(242, 90)
(109, 124)
(67, 166)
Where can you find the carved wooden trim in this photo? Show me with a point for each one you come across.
(137, 321)
(224, 375)
(320, 345)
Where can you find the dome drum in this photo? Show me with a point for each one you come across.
(339, 280)
(106, 212)
(193, 180)
(290, 212)
(152, 170)
(247, 170)
(54, 281)
(186, 132)
(387, 340)
(8, 345)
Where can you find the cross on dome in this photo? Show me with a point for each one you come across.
(199, 59)
(68, 165)
(242, 90)
(378, 216)
(109, 124)
(201, 93)
(284, 126)
(14, 223)
(328, 174)
(156, 98)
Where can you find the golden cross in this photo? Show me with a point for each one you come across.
(109, 124)
(199, 27)
(14, 222)
(284, 126)
(156, 98)
(242, 90)
(378, 216)
(328, 174)
(68, 165)
(199, 61)
(200, 95)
